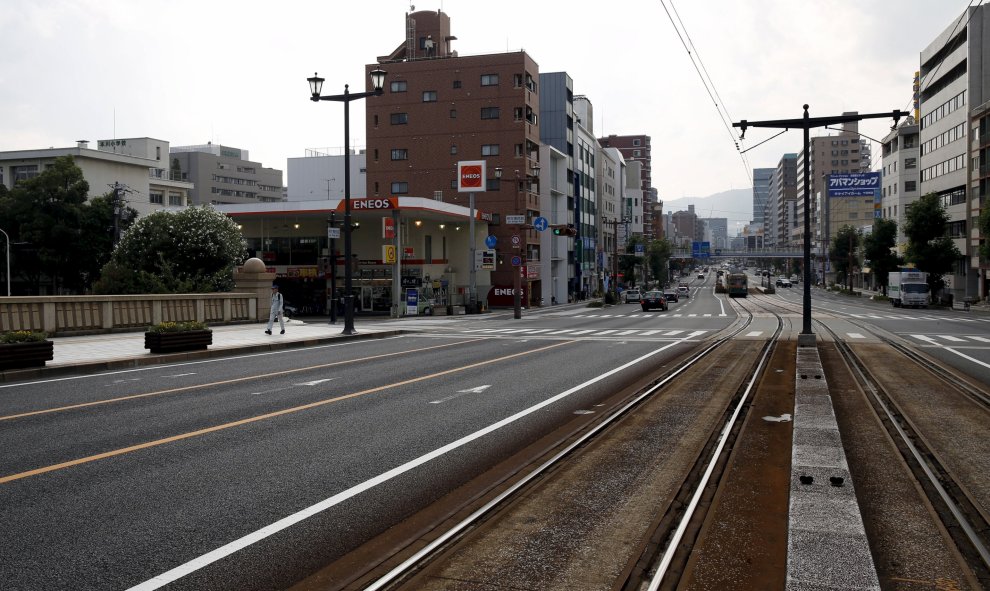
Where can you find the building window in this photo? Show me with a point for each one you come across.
(429, 96)
(376, 121)
(489, 150)
(399, 188)
(910, 163)
(492, 184)
(457, 83)
(517, 114)
(910, 185)
(376, 154)
(174, 199)
(489, 113)
(489, 79)
(398, 86)
(636, 142)
(400, 154)
(453, 113)
(518, 150)
(453, 184)
(636, 153)
(453, 148)
(399, 118)
(156, 197)
(24, 172)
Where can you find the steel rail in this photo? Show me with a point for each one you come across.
(964, 524)
(434, 547)
(674, 542)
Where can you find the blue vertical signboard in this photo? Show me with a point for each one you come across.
(856, 184)
(701, 250)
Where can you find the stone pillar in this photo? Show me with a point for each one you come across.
(254, 279)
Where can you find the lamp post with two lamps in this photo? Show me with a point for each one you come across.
(315, 87)
(8, 261)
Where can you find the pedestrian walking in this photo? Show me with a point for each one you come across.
(277, 309)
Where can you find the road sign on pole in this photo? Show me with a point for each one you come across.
(515, 220)
(541, 223)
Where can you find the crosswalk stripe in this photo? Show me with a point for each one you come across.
(582, 331)
(647, 333)
(536, 330)
(692, 315)
(755, 333)
(673, 332)
(981, 339)
(855, 335)
(604, 332)
(625, 332)
(952, 338)
(562, 331)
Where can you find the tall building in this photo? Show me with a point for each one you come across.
(319, 175)
(830, 154)
(636, 148)
(225, 175)
(438, 109)
(901, 150)
(953, 79)
(979, 191)
(761, 194)
(785, 200)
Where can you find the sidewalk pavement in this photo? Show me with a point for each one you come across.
(120, 350)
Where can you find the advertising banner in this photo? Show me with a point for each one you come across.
(854, 184)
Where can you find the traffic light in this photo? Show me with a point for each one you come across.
(565, 230)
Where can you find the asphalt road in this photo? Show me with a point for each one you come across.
(251, 472)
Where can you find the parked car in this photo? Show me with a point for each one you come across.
(783, 282)
(670, 295)
(684, 291)
(632, 295)
(653, 299)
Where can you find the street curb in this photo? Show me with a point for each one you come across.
(16, 375)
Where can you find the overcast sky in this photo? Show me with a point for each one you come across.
(234, 72)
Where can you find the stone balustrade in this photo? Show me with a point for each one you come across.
(90, 314)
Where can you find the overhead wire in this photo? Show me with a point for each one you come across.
(706, 82)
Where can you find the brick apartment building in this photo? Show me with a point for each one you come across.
(438, 109)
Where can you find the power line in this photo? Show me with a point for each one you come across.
(709, 87)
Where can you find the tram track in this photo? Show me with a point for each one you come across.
(909, 393)
(418, 563)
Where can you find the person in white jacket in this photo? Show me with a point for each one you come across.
(277, 310)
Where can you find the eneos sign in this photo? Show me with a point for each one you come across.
(471, 176)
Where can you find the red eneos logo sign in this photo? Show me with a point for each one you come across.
(471, 177)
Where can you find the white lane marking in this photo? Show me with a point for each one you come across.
(127, 380)
(602, 332)
(673, 332)
(536, 330)
(649, 332)
(981, 339)
(314, 382)
(855, 335)
(928, 339)
(755, 333)
(952, 338)
(625, 332)
(286, 522)
(562, 331)
(475, 390)
(180, 375)
(577, 332)
(692, 315)
(708, 315)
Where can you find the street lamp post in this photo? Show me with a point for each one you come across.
(516, 278)
(807, 337)
(315, 87)
(8, 261)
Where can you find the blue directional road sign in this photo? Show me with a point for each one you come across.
(540, 223)
(491, 241)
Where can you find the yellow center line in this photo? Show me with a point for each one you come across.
(278, 413)
(224, 382)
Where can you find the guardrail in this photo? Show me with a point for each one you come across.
(74, 315)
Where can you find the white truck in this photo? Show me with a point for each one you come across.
(908, 288)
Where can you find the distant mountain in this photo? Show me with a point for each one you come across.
(734, 204)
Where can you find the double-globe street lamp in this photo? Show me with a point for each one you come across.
(8, 261)
(315, 87)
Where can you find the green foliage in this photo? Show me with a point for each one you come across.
(658, 260)
(609, 298)
(22, 336)
(185, 326)
(842, 252)
(594, 304)
(878, 249)
(189, 251)
(929, 247)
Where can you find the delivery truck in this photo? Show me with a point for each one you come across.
(908, 288)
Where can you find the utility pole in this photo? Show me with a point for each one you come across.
(807, 337)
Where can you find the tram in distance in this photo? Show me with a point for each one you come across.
(737, 285)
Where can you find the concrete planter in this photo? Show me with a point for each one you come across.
(21, 355)
(172, 342)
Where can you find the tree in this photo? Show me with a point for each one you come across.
(878, 249)
(190, 251)
(658, 260)
(629, 261)
(44, 213)
(97, 224)
(929, 246)
(842, 253)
